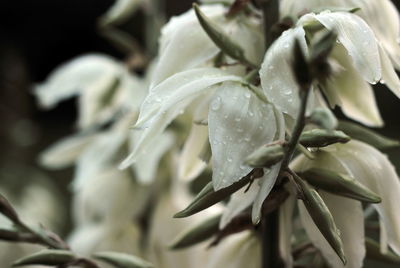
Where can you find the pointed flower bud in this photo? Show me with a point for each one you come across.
(324, 118)
(198, 233)
(322, 137)
(47, 257)
(122, 260)
(340, 184)
(321, 216)
(266, 156)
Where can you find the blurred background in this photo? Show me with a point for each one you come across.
(37, 36)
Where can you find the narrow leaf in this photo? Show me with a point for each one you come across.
(322, 137)
(122, 260)
(340, 184)
(47, 257)
(197, 233)
(368, 136)
(221, 40)
(208, 197)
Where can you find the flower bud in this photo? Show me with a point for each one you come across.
(339, 184)
(324, 118)
(322, 137)
(266, 156)
(122, 260)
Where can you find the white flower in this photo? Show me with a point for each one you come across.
(386, 26)
(104, 85)
(360, 57)
(185, 45)
(371, 168)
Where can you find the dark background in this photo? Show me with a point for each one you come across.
(35, 37)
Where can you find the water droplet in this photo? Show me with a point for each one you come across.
(229, 160)
(260, 127)
(158, 99)
(251, 114)
(238, 119)
(216, 104)
(247, 139)
(247, 95)
(382, 82)
(240, 130)
(271, 67)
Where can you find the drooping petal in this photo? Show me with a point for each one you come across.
(166, 101)
(146, 165)
(374, 170)
(386, 26)
(239, 202)
(349, 219)
(238, 122)
(276, 74)
(389, 76)
(356, 96)
(270, 175)
(358, 39)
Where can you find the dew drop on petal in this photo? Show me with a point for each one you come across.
(216, 104)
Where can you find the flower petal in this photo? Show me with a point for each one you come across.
(184, 44)
(276, 74)
(239, 201)
(373, 169)
(65, 152)
(389, 76)
(350, 222)
(358, 39)
(146, 165)
(355, 95)
(235, 132)
(75, 76)
(167, 101)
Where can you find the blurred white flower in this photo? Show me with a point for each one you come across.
(371, 168)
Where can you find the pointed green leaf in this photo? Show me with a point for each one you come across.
(322, 137)
(208, 197)
(47, 257)
(265, 156)
(368, 136)
(197, 233)
(122, 260)
(221, 40)
(340, 184)
(374, 252)
(321, 216)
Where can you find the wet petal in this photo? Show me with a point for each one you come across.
(168, 100)
(276, 74)
(235, 131)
